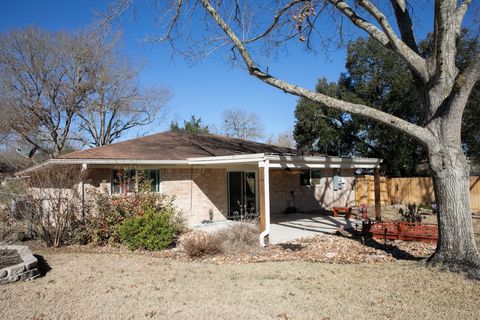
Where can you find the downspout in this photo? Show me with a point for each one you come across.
(266, 194)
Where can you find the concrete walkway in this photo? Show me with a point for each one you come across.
(288, 227)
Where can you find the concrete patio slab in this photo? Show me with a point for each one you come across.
(288, 227)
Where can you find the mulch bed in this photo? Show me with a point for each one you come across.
(9, 258)
(323, 248)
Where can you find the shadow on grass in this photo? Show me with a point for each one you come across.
(292, 246)
(368, 241)
(42, 265)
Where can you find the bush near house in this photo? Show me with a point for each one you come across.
(153, 230)
(127, 217)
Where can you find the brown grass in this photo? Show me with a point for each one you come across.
(198, 243)
(129, 286)
(237, 238)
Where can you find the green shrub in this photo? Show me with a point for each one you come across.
(154, 230)
(108, 212)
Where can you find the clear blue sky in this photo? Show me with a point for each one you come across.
(204, 89)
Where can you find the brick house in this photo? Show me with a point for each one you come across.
(217, 178)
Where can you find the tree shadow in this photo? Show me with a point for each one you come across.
(292, 246)
(43, 265)
(369, 241)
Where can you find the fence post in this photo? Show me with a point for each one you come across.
(376, 183)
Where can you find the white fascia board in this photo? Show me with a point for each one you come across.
(323, 162)
(87, 162)
(321, 165)
(235, 159)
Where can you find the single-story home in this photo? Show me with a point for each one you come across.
(215, 178)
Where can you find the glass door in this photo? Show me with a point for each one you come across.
(242, 195)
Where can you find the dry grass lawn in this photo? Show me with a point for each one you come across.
(131, 286)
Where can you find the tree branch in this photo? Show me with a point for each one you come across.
(405, 25)
(386, 38)
(419, 133)
(276, 19)
(460, 14)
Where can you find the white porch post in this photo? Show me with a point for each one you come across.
(82, 189)
(264, 200)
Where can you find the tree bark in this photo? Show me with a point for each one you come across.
(456, 249)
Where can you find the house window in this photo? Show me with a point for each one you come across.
(310, 177)
(315, 176)
(124, 181)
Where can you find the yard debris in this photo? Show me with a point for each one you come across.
(323, 248)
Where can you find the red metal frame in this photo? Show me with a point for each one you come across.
(402, 230)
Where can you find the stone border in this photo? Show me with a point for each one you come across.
(26, 270)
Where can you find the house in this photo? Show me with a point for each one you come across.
(217, 178)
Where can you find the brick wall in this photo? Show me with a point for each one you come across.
(197, 192)
(285, 191)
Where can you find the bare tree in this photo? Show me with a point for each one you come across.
(442, 87)
(242, 124)
(58, 89)
(116, 101)
(283, 139)
(42, 83)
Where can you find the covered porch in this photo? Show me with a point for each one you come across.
(295, 193)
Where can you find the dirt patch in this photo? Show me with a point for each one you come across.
(9, 258)
(132, 286)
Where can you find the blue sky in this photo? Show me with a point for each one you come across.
(204, 89)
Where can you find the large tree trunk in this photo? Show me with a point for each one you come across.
(456, 247)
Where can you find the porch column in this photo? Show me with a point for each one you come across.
(377, 189)
(264, 197)
(82, 189)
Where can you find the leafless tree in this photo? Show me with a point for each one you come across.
(42, 84)
(283, 139)
(116, 101)
(58, 89)
(247, 27)
(242, 124)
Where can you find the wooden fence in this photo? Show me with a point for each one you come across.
(406, 190)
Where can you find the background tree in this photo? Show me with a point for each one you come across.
(239, 123)
(116, 102)
(283, 139)
(194, 125)
(60, 89)
(376, 77)
(43, 82)
(443, 89)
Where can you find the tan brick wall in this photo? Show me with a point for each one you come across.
(199, 190)
(285, 191)
(196, 192)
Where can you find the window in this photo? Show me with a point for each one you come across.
(128, 180)
(315, 176)
(310, 177)
(305, 178)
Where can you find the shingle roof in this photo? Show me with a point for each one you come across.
(177, 146)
